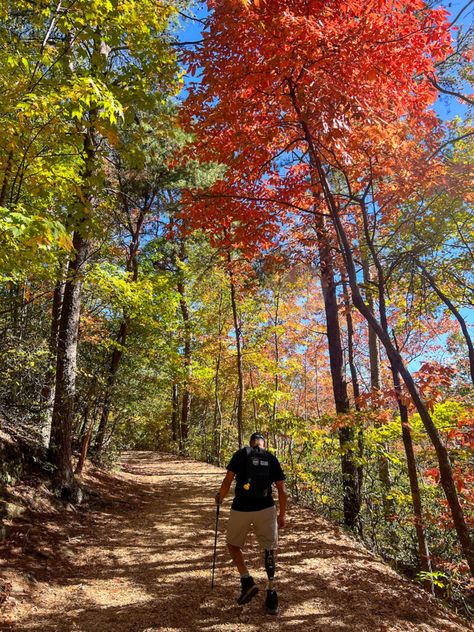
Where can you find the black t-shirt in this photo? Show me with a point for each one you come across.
(238, 465)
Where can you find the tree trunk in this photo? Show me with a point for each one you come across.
(111, 378)
(6, 178)
(446, 474)
(121, 339)
(47, 392)
(217, 418)
(238, 343)
(254, 401)
(355, 381)
(350, 475)
(60, 446)
(175, 413)
(276, 346)
(423, 551)
(86, 439)
(186, 396)
(375, 383)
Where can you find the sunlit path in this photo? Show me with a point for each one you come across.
(142, 562)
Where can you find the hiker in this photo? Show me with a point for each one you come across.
(255, 470)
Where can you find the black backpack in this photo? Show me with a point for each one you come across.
(256, 478)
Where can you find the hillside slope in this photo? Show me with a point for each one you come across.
(141, 562)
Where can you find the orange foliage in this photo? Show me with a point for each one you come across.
(356, 70)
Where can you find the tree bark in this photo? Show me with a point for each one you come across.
(350, 474)
(217, 417)
(86, 439)
(355, 381)
(238, 344)
(47, 392)
(6, 178)
(175, 413)
(60, 446)
(276, 346)
(186, 396)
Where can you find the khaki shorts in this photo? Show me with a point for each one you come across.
(263, 521)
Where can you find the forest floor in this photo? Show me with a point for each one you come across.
(141, 560)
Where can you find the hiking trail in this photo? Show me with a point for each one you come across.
(141, 562)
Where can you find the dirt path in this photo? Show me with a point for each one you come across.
(141, 563)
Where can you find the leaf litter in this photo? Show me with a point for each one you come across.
(139, 560)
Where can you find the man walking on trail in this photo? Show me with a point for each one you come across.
(255, 470)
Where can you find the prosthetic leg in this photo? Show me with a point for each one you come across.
(270, 567)
(271, 602)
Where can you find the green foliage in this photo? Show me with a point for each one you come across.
(28, 241)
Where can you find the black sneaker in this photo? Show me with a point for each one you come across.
(271, 602)
(248, 590)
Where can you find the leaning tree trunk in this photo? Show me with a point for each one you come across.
(446, 473)
(423, 550)
(397, 363)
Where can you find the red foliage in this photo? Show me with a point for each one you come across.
(433, 379)
(463, 435)
(358, 72)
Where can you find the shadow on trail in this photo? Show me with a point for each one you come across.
(141, 563)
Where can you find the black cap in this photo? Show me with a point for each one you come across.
(256, 435)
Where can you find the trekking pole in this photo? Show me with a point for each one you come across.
(215, 546)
